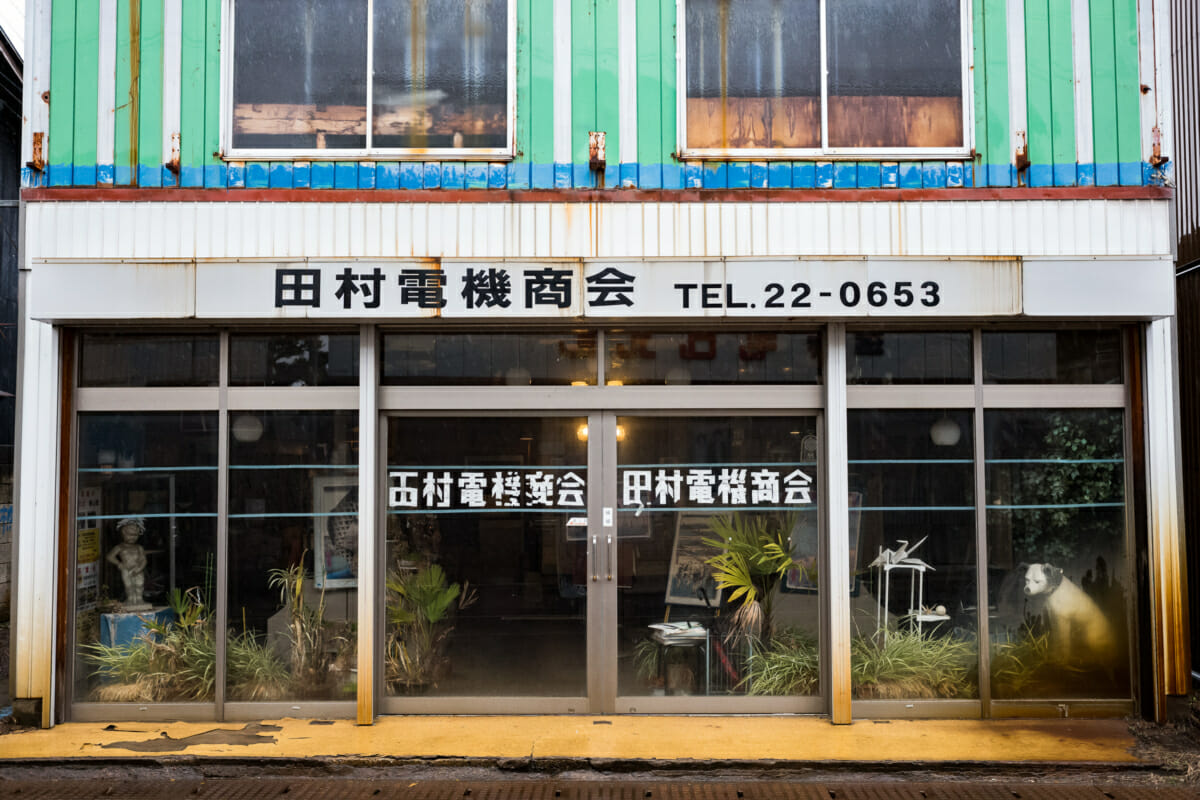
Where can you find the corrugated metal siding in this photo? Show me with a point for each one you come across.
(169, 230)
(131, 40)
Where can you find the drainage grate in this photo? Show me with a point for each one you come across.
(277, 788)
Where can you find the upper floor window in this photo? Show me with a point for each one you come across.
(825, 77)
(351, 77)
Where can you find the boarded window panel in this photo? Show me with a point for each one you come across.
(753, 73)
(300, 76)
(441, 73)
(895, 73)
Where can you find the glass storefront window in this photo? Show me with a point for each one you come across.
(1057, 558)
(293, 555)
(145, 557)
(912, 538)
(130, 359)
(707, 358)
(486, 556)
(293, 359)
(939, 357)
(1043, 357)
(717, 556)
(489, 359)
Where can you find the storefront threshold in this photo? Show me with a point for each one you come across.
(532, 742)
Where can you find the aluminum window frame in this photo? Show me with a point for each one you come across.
(825, 152)
(369, 153)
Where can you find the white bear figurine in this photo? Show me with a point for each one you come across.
(1079, 631)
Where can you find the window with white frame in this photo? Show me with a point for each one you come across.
(812, 77)
(329, 77)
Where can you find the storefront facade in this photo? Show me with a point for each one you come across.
(384, 434)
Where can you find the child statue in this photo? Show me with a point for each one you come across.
(130, 558)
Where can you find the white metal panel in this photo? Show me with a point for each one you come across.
(1099, 287)
(837, 490)
(627, 97)
(1163, 77)
(106, 106)
(172, 78)
(36, 81)
(1081, 49)
(1146, 75)
(107, 290)
(562, 83)
(1017, 109)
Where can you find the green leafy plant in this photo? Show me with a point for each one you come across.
(790, 665)
(321, 651)
(420, 607)
(910, 664)
(754, 556)
(255, 671)
(1019, 660)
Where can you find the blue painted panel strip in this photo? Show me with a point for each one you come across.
(366, 174)
(650, 176)
(433, 176)
(582, 177)
(497, 176)
(1041, 175)
(1131, 173)
(453, 175)
(933, 175)
(845, 175)
(387, 176)
(236, 175)
(629, 176)
(779, 175)
(870, 175)
(889, 175)
(910, 175)
(1108, 175)
(716, 175)
(84, 175)
(169, 179)
(693, 175)
(216, 175)
(60, 174)
(322, 175)
(562, 176)
(345, 175)
(258, 175)
(281, 175)
(999, 175)
(149, 175)
(542, 176)
(612, 176)
(824, 176)
(412, 175)
(105, 175)
(737, 173)
(188, 176)
(804, 175)
(520, 176)
(955, 179)
(1064, 174)
(476, 175)
(758, 175)
(301, 175)
(672, 176)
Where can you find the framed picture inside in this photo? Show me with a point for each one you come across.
(803, 578)
(689, 574)
(335, 532)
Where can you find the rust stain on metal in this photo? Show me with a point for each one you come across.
(173, 162)
(39, 159)
(250, 733)
(135, 70)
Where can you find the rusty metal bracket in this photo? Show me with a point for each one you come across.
(597, 157)
(1157, 159)
(173, 163)
(39, 160)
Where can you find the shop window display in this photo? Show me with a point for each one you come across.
(914, 621)
(145, 552)
(293, 359)
(486, 557)
(718, 578)
(1058, 576)
(293, 531)
(712, 358)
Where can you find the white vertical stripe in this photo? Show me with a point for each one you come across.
(1017, 109)
(837, 492)
(1081, 32)
(562, 83)
(1163, 76)
(36, 80)
(1146, 75)
(106, 105)
(627, 97)
(367, 572)
(172, 77)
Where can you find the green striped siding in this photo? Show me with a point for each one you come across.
(61, 150)
(595, 63)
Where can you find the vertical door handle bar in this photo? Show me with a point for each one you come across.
(595, 560)
(609, 551)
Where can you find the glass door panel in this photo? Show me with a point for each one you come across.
(486, 557)
(718, 588)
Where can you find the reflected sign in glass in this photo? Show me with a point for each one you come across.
(486, 489)
(751, 486)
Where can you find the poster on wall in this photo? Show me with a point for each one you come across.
(87, 550)
(335, 532)
(691, 579)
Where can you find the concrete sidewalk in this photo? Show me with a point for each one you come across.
(583, 740)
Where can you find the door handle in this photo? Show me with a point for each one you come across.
(609, 554)
(595, 560)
